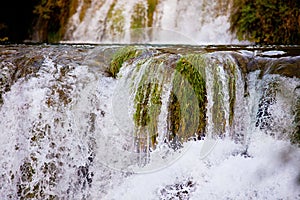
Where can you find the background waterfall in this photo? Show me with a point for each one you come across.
(71, 128)
(151, 21)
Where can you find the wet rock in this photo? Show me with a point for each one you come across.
(178, 191)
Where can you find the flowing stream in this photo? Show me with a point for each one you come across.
(149, 122)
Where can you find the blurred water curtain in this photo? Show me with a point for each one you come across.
(121, 21)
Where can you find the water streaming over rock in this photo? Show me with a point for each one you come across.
(151, 21)
(148, 122)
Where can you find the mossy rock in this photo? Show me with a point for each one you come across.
(120, 56)
(187, 106)
(156, 73)
(148, 104)
(289, 67)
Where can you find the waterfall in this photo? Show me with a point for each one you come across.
(151, 21)
(117, 121)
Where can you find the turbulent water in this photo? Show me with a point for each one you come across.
(151, 21)
(175, 122)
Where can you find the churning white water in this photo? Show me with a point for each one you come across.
(66, 130)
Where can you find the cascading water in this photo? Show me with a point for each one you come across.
(151, 21)
(148, 122)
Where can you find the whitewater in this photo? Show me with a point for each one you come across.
(72, 128)
(66, 131)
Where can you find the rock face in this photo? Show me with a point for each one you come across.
(179, 190)
(51, 17)
(16, 19)
(35, 21)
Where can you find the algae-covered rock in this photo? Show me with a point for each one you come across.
(120, 56)
(148, 107)
(151, 75)
(187, 107)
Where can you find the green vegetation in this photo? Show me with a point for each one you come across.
(122, 55)
(230, 68)
(259, 21)
(266, 21)
(111, 9)
(148, 104)
(150, 11)
(117, 19)
(148, 100)
(187, 112)
(138, 19)
(152, 75)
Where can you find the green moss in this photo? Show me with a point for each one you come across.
(116, 19)
(54, 36)
(150, 11)
(187, 112)
(230, 68)
(174, 116)
(148, 104)
(148, 100)
(138, 19)
(111, 9)
(141, 116)
(122, 55)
